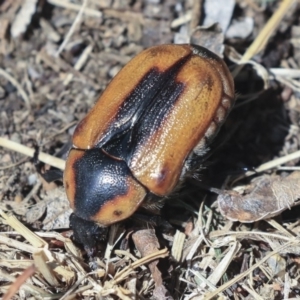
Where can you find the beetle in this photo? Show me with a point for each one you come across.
(137, 142)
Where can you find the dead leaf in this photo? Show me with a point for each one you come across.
(147, 243)
(266, 197)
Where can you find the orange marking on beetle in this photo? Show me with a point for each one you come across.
(122, 206)
(218, 64)
(69, 175)
(81, 128)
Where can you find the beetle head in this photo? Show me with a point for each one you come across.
(87, 233)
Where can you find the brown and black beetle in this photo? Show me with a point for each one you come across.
(137, 141)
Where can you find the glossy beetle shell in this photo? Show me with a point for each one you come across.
(159, 110)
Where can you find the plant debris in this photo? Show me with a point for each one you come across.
(56, 57)
(265, 198)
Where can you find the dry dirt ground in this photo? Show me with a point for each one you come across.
(56, 57)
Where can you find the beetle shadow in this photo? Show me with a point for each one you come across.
(255, 132)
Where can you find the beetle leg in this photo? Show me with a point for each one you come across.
(153, 204)
(147, 221)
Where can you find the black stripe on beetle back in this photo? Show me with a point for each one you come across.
(138, 102)
(132, 105)
(98, 179)
(149, 122)
(152, 119)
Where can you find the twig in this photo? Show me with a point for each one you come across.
(14, 165)
(196, 14)
(66, 4)
(30, 236)
(142, 261)
(289, 73)
(17, 86)
(264, 35)
(248, 271)
(14, 288)
(80, 62)
(32, 192)
(44, 157)
(274, 163)
(72, 29)
(182, 20)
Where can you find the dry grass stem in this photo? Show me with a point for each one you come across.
(290, 73)
(17, 245)
(112, 240)
(274, 163)
(64, 55)
(251, 269)
(281, 229)
(196, 14)
(44, 157)
(205, 283)
(182, 20)
(21, 91)
(13, 165)
(41, 262)
(177, 247)
(72, 29)
(252, 292)
(223, 265)
(31, 237)
(261, 40)
(34, 290)
(69, 5)
(123, 274)
(79, 64)
(32, 192)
